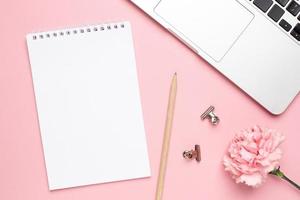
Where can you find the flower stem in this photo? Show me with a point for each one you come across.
(280, 174)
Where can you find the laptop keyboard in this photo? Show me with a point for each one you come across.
(286, 13)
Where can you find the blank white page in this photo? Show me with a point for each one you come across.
(88, 103)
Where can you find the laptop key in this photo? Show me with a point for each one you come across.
(282, 2)
(296, 32)
(295, 35)
(297, 28)
(276, 13)
(293, 8)
(263, 5)
(285, 25)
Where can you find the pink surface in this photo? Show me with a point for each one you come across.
(159, 55)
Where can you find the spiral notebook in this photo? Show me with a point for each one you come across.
(88, 103)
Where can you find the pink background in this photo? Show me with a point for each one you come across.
(159, 55)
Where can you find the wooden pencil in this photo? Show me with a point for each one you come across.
(166, 140)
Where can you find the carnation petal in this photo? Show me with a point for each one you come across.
(253, 180)
(246, 155)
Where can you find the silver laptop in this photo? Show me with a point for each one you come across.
(255, 43)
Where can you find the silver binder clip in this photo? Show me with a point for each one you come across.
(209, 113)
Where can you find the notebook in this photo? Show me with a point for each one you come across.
(88, 103)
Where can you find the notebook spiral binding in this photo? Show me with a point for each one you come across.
(75, 31)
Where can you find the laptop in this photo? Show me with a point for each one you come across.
(254, 43)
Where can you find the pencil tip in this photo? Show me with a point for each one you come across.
(175, 73)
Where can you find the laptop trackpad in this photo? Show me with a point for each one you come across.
(211, 25)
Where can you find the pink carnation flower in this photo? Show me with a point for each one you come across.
(253, 154)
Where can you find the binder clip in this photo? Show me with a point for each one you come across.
(209, 113)
(193, 154)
